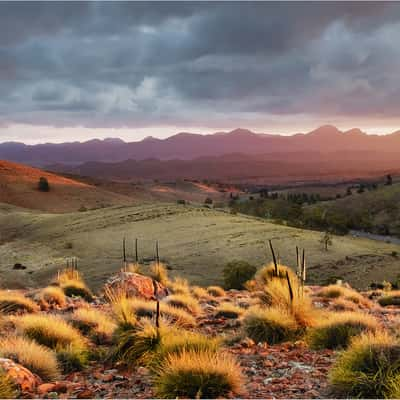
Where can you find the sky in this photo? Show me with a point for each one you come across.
(76, 70)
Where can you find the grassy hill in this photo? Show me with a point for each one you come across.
(195, 242)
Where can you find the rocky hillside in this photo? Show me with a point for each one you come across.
(275, 339)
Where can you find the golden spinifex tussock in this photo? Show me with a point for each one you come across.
(16, 302)
(37, 358)
(72, 283)
(346, 293)
(369, 368)
(158, 272)
(228, 310)
(216, 291)
(185, 302)
(53, 295)
(391, 298)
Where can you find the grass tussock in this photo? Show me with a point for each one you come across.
(94, 323)
(48, 330)
(15, 302)
(121, 305)
(158, 272)
(7, 387)
(200, 293)
(72, 358)
(272, 325)
(228, 310)
(369, 368)
(179, 286)
(73, 285)
(345, 293)
(343, 305)
(185, 302)
(339, 328)
(216, 291)
(390, 298)
(132, 267)
(53, 295)
(267, 273)
(38, 359)
(201, 374)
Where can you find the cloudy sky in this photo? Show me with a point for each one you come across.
(74, 71)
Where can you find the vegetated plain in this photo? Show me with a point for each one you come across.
(194, 241)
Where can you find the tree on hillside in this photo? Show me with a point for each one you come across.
(389, 180)
(43, 184)
(326, 240)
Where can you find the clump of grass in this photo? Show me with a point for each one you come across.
(72, 358)
(272, 325)
(369, 368)
(7, 387)
(390, 299)
(121, 305)
(267, 273)
(216, 291)
(53, 295)
(338, 330)
(194, 374)
(15, 302)
(158, 272)
(73, 285)
(38, 359)
(343, 305)
(95, 323)
(200, 293)
(132, 267)
(338, 291)
(228, 310)
(179, 286)
(185, 302)
(48, 330)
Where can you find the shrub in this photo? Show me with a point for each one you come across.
(369, 368)
(338, 291)
(185, 302)
(339, 329)
(72, 283)
(158, 272)
(95, 323)
(237, 273)
(48, 330)
(390, 299)
(179, 286)
(72, 358)
(194, 374)
(215, 291)
(53, 295)
(14, 302)
(43, 184)
(228, 310)
(7, 387)
(38, 359)
(272, 325)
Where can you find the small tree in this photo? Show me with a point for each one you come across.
(237, 273)
(326, 240)
(389, 180)
(208, 201)
(43, 184)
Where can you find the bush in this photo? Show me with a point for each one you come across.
(48, 330)
(43, 184)
(158, 272)
(14, 302)
(237, 273)
(272, 325)
(228, 310)
(185, 302)
(7, 387)
(215, 291)
(194, 374)
(338, 330)
(38, 359)
(98, 325)
(53, 295)
(369, 368)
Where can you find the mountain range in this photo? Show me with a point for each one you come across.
(188, 146)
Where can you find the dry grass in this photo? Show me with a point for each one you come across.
(202, 374)
(158, 272)
(200, 293)
(185, 302)
(15, 302)
(338, 330)
(8, 389)
(228, 310)
(95, 323)
(338, 291)
(73, 285)
(49, 330)
(369, 368)
(38, 359)
(343, 305)
(121, 306)
(265, 274)
(272, 325)
(132, 267)
(216, 291)
(53, 295)
(179, 286)
(390, 298)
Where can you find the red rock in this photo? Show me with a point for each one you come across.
(61, 387)
(22, 377)
(45, 388)
(85, 394)
(108, 378)
(136, 285)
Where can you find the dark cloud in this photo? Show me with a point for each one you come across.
(152, 63)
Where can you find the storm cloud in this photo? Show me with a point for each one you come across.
(135, 65)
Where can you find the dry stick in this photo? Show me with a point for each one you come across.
(273, 257)
(290, 288)
(136, 251)
(157, 255)
(158, 304)
(303, 270)
(123, 250)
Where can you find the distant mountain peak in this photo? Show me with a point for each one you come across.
(241, 132)
(325, 130)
